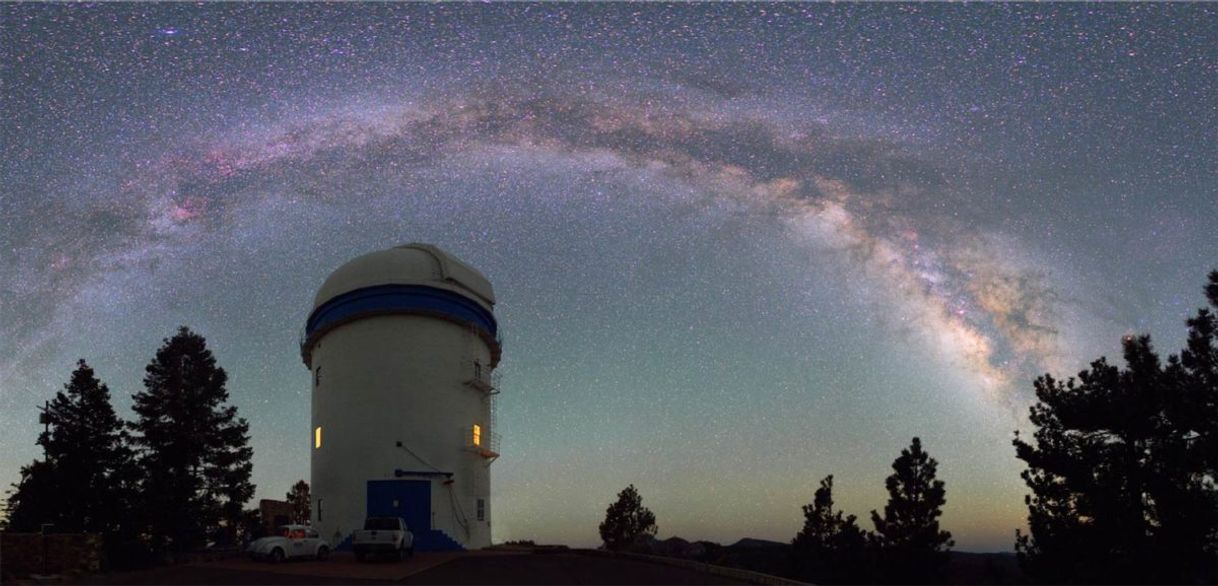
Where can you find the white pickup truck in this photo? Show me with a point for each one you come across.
(383, 535)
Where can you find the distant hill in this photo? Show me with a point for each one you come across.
(749, 542)
(758, 555)
(774, 557)
(984, 568)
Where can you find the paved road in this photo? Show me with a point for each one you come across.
(341, 568)
(559, 568)
(449, 568)
(210, 574)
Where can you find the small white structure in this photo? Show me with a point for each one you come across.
(402, 345)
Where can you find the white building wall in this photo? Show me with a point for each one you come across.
(394, 378)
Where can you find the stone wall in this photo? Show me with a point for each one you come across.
(67, 553)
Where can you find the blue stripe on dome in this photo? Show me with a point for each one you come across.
(383, 299)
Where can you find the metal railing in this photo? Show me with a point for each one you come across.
(486, 442)
(483, 378)
(496, 442)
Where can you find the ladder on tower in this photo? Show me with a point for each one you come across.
(484, 440)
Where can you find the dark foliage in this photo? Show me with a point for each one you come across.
(33, 501)
(627, 521)
(85, 481)
(251, 527)
(830, 549)
(1123, 467)
(298, 497)
(195, 445)
(911, 546)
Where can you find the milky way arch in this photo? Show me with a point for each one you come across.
(950, 283)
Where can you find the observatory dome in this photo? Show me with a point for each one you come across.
(413, 279)
(409, 264)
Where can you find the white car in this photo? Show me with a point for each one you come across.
(383, 535)
(290, 541)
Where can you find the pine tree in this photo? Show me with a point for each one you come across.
(251, 527)
(1123, 467)
(1194, 407)
(33, 499)
(194, 445)
(912, 546)
(1187, 508)
(627, 521)
(829, 549)
(84, 482)
(298, 497)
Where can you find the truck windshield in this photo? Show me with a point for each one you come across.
(382, 523)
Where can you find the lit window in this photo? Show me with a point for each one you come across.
(317, 437)
(481, 509)
(477, 435)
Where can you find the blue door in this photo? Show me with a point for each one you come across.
(408, 499)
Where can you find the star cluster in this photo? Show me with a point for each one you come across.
(737, 247)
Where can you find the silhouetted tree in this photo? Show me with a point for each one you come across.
(84, 482)
(1193, 409)
(829, 549)
(193, 444)
(912, 546)
(32, 500)
(1123, 467)
(251, 527)
(298, 497)
(627, 521)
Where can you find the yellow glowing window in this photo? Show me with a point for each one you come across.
(317, 437)
(477, 435)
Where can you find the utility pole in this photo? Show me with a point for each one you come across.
(46, 528)
(44, 417)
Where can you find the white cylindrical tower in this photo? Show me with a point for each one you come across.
(402, 344)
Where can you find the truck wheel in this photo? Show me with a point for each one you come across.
(276, 555)
(410, 551)
(397, 554)
(323, 552)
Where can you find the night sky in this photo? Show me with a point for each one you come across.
(736, 247)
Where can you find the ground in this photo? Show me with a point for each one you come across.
(482, 567)
(560, 568)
